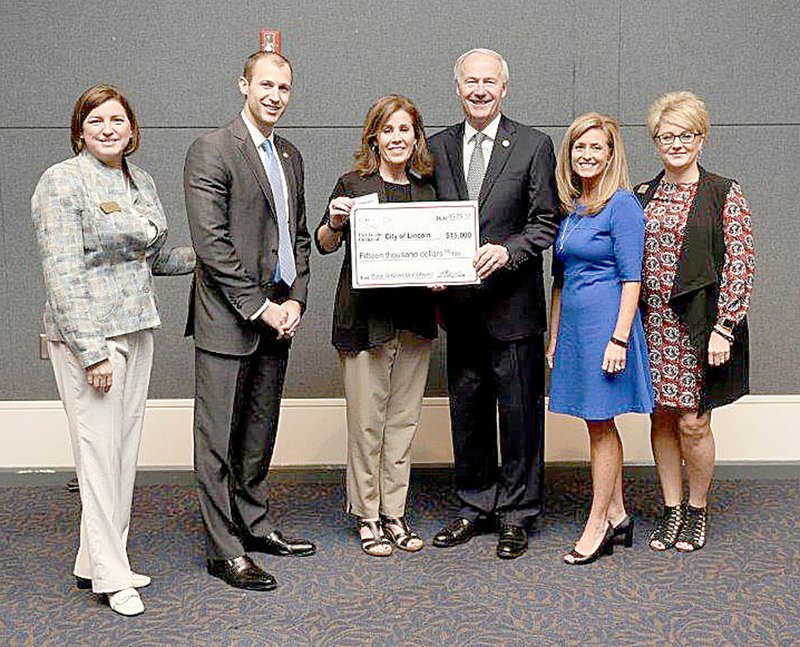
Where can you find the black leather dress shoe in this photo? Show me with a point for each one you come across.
(242, 573)
(513, 541)
(458, 531)
(276, 544)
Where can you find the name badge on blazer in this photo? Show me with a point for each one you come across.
(110, 207)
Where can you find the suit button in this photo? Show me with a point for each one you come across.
(146, 289)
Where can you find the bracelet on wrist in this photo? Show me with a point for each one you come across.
(619, 342)
(726, 335)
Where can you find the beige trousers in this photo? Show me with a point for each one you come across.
(383, 387)
(105, 430)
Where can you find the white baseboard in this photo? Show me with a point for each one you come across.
(313, 433)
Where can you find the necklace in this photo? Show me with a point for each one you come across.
(568, 232)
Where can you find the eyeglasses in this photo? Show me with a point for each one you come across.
(667, 139)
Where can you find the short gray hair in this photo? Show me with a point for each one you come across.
(487, 52)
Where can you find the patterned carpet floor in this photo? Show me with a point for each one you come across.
(742, 589)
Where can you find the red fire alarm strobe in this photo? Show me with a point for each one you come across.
(271, 40)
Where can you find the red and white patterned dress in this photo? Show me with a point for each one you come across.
(675, 364)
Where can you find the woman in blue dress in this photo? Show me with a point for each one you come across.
(596, 349)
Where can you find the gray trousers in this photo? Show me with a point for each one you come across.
(383, 388)
(237, 404)
(105, 430)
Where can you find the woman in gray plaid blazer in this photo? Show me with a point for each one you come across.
(101, 232)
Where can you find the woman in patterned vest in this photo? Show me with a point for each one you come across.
(698, 275)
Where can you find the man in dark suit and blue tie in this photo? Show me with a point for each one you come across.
(246, 208)
(495, 362)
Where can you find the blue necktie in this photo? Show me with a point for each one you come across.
(286, 270)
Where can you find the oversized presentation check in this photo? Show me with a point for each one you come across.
(413, 243)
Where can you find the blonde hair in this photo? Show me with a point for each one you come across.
(614, 176)
(684, 107)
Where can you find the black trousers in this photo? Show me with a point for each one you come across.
(237, 403)
(490, 382)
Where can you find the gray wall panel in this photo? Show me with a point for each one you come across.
(765, 155)
(25, 154)
(739, 55)
(164, 55)
(591, 40)
(180, 64)
(5, 292)
(412, 48)
(162, 155)
(314, 368)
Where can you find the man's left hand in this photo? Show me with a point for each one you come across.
(489, 258)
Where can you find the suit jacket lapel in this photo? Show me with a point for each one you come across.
(503, 145)
(454, 147)
(284, 155)
(253, 159)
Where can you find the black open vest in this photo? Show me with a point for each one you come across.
(696, 288)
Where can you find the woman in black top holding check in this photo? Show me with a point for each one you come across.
(383, 335)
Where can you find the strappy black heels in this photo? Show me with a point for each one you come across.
(606, 547)
(667, 529)
(692, 536)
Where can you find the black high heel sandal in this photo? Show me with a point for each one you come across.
(625, 530)
(667, 528)
(695, 527)
(606, 547)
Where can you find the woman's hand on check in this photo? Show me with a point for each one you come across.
(339, 212)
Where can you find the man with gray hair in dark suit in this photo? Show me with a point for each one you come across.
(495, 353)
(246, 208)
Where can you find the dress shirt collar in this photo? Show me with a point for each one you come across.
(490, 131)
(255, 134)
